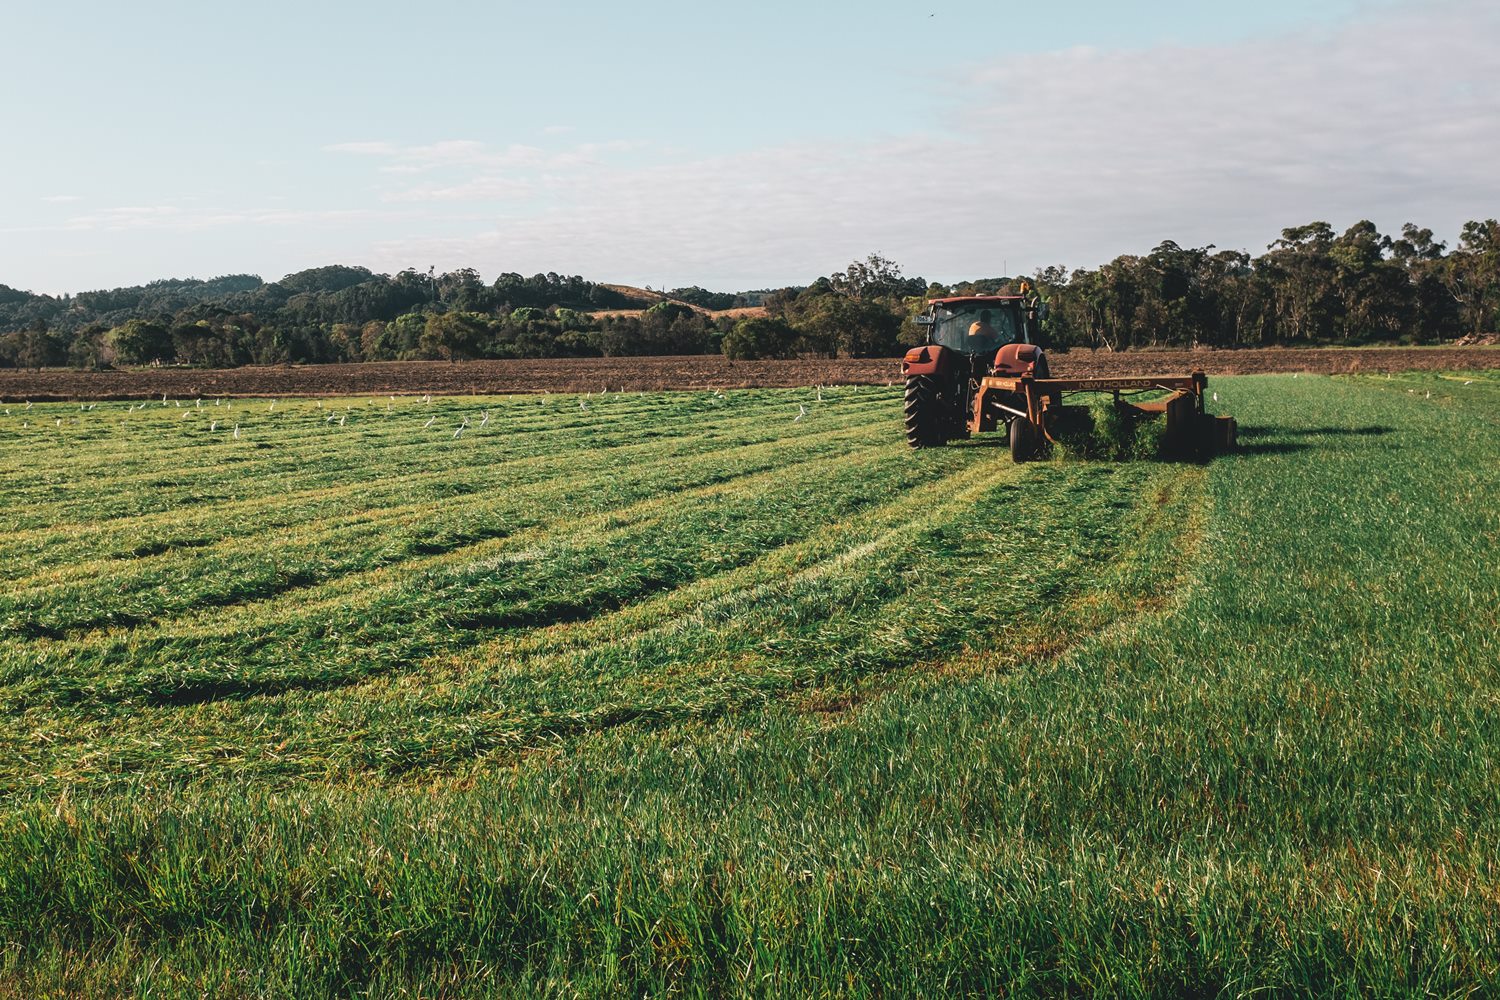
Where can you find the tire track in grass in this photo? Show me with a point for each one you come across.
(583, 434)
(240, 574)
(273, 491)
(830, 545)
(152, 718)
(737, 649)
(686, 472)
(899, 528)
(600, 508)
(74, 469)
(56, 543)
(838, 612)
(260, 657)
(46, 517)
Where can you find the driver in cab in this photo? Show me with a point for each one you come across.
(981, 326)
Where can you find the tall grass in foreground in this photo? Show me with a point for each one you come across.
(966, 728)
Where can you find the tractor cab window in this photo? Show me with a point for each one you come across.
(975, 329)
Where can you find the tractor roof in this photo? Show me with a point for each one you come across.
(988, 300)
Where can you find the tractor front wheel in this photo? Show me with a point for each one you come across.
(924, 415)
(1023, 438)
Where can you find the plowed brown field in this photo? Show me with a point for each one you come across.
(704, 372)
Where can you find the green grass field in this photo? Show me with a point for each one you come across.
(681, 693)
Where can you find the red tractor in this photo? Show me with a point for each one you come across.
(969, 338)
(982, 370)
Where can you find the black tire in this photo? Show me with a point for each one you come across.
(1022, 439)
(924, 415)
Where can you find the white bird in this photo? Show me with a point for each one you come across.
(1216, 397)
(28, 404)
(213, 427)
(1294, 374)
(272, 407)
(198, 403)
(801, 412)
(429, 421)
(185, 415)
(820, 394)
(485, 419)
(427, 398)
(236, 432)
(459, 431)
(1469, 382)
(1429, 393)
(342, 419)
(59, 421)
(582, 405)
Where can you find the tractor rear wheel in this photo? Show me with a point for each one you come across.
(1022, 439)
(924, 415)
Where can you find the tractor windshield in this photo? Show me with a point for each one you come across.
(974, 329)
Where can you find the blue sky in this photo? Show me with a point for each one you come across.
(670, 143)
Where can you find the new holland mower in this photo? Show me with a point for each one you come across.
(983, 370)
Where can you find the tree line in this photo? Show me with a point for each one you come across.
(339, 314)
(1313, 285)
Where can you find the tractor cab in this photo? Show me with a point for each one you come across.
(973, 336)
(976, 324)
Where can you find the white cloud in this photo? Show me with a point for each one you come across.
(125, 217)
(362, 148)
(173, 218)
(484, 188)
(471, 154)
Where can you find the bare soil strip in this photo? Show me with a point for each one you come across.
(699, 372)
